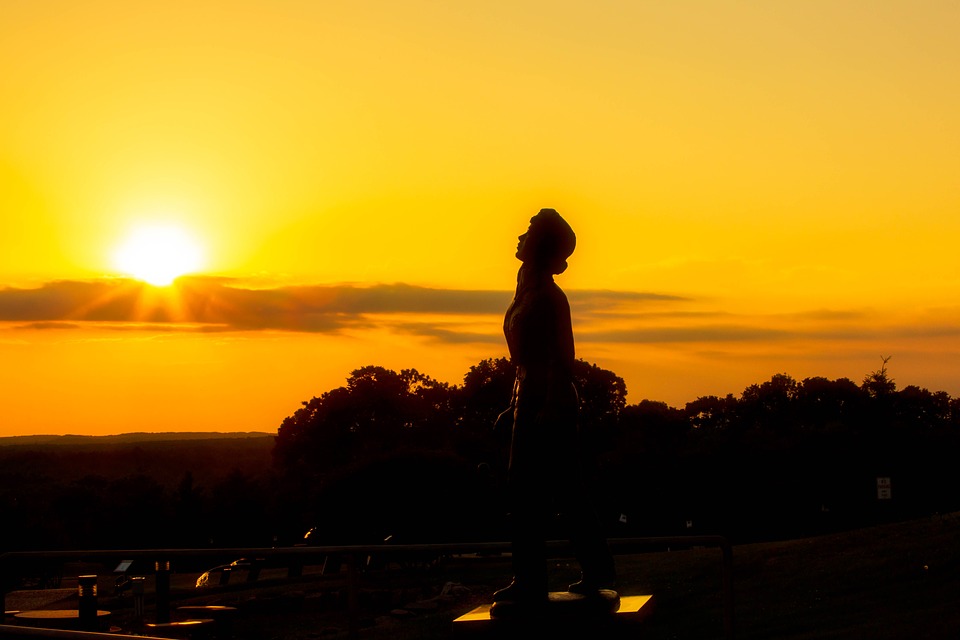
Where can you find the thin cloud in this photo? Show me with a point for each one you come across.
(763, 332)
(451, 333)
(58, 326)
(69, 300)
(220, 304)
(705, 333)
(602, 300)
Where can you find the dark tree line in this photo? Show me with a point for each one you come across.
(404, 455)
(189, 493)
(791, 458)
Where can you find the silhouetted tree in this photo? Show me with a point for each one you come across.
(377, 411)
(785, 457)
(485, 392)
(712, 413)
(603, 395)
(769, 405)
(653, 427)
(139, 509)
(80, 510)
(822, 403)
(922, 409)
(238, 511)
(191, 527)
(878, 383)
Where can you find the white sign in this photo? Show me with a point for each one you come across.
(883, 488)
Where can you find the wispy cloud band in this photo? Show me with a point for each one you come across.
(223, 304)
(448, 316)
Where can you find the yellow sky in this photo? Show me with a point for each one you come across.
(783, 176)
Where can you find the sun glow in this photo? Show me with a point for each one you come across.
(158, 254)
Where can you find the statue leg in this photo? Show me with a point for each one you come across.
(590, 546)
(528, 557)
(528, 523)
(583, 526)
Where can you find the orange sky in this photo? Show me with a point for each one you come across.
(756, 188)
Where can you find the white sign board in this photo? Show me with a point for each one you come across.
(883, 488)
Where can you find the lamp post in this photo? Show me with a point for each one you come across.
(87, 605)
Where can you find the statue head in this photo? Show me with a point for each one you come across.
(548, 242)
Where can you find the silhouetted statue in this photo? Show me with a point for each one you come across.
(545, 468)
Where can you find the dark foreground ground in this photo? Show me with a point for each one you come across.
(893, 581)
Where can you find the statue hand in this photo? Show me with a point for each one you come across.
(504, 421)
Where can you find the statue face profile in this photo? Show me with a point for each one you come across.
(525, 249)
(547, 243)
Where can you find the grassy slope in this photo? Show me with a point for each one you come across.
(164, 460)
(893, 581)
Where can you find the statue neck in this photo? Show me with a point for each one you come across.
(530, 277)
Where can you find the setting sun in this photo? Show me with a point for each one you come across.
(158, 254)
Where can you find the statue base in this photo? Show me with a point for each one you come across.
(604, 601)
(562, 615)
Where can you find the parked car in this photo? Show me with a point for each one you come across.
(224, 573)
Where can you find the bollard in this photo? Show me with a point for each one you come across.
(87, 605)
(163, 591)
(137, 600)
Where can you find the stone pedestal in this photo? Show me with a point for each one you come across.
(565, 615)
(222, 617)
(562, 603)
(200, 629)
(68, 619)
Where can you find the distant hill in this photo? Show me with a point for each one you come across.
(28, 463)
(128, 438)
(131, 490)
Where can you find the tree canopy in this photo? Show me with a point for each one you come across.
(784, 454)
(403, 454)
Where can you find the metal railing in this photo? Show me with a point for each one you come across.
(13, 564)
